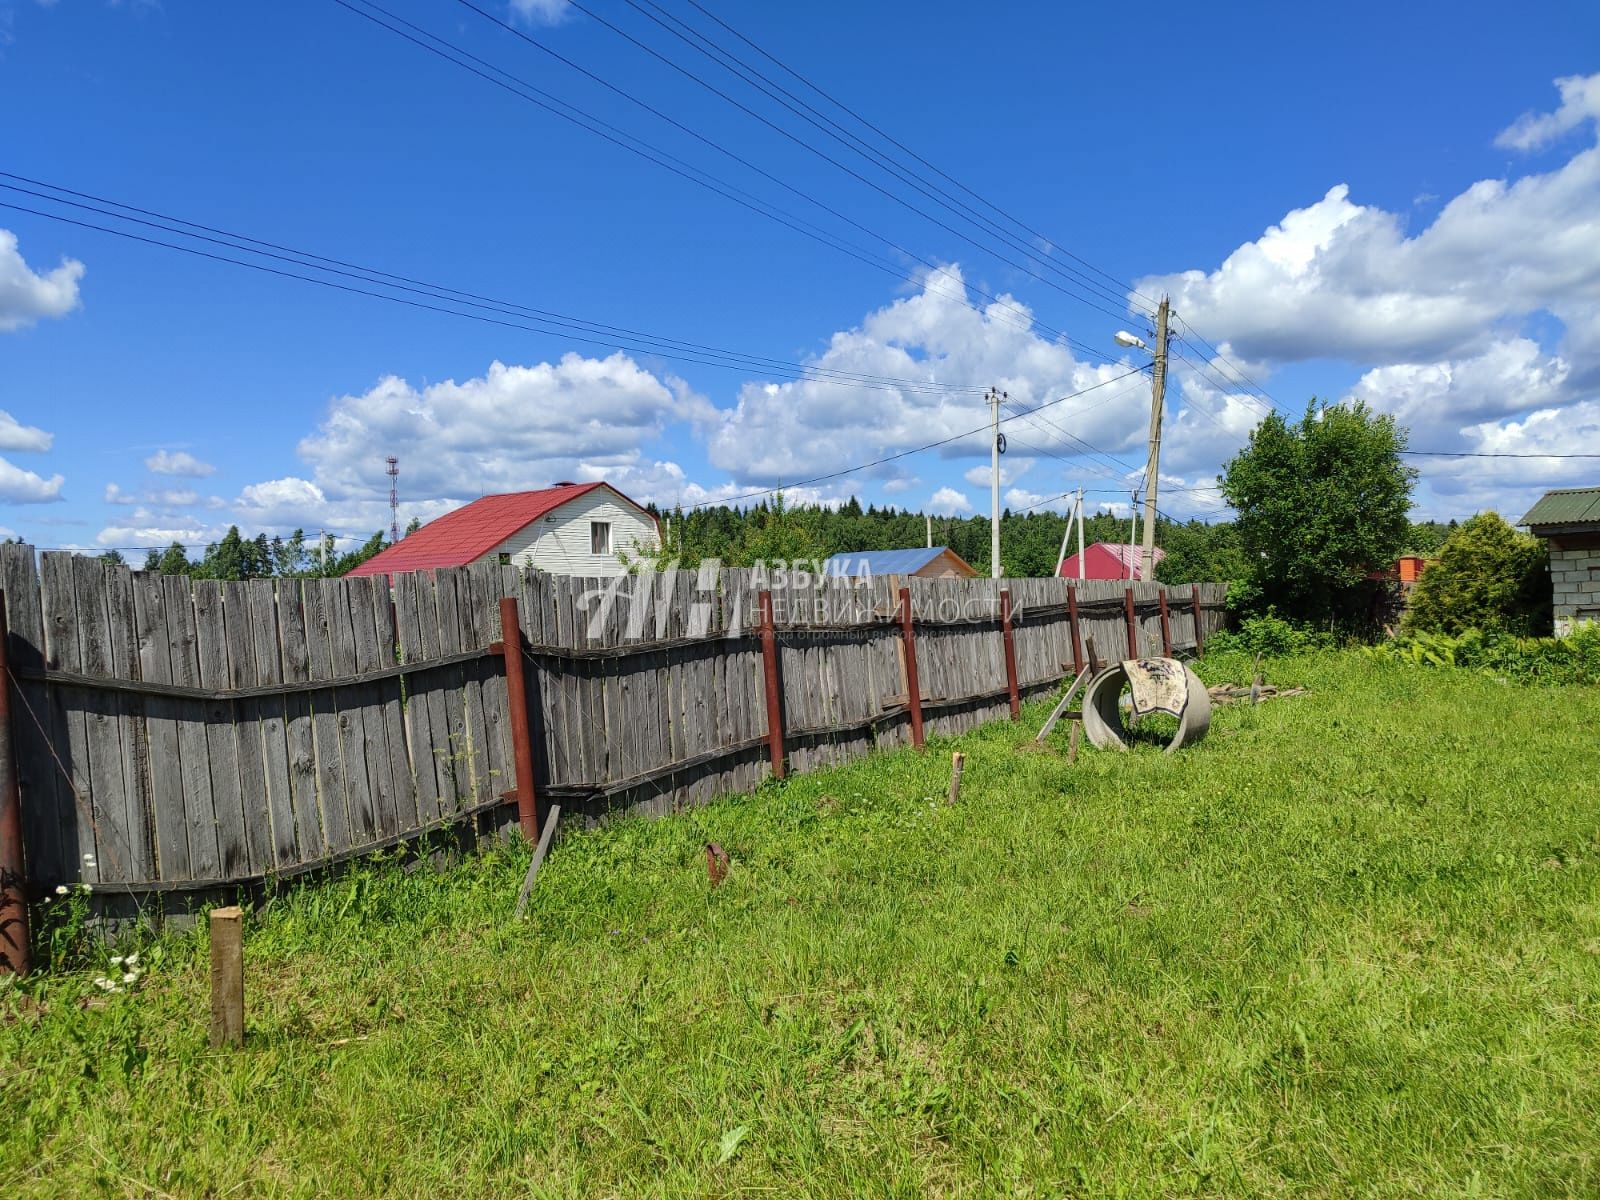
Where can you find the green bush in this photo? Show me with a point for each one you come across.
(1269, 636)
(1573, 660)
(1489, 577)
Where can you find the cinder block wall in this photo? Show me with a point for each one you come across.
(1575, 581)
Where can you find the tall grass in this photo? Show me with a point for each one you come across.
(1350, 945)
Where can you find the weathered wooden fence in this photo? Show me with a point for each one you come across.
(174, 735)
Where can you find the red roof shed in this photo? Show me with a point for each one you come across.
(1109, 560)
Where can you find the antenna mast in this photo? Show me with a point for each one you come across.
(393, 471)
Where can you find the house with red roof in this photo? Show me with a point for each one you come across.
(568, 529)
(1109, 560)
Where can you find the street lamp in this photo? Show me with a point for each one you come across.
(1123, 338)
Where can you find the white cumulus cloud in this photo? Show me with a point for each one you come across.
(178, 462)
(14, 435)
(947, 502)
(27, 296)
(19, 486)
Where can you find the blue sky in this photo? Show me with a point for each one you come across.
(1400, 203)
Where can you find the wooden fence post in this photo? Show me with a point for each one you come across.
(1166, 625)
(1077, 639)
(908, 638)
(769, 671)
(15, 953)
(1132, 621)
(1011, 653)
(227, 977)
(1199, 633)
(510, 648)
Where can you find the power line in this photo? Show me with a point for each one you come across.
(643, 344)
(763, 83)
(839, 104)
(450, 52)
(785, 133)
(888, 458)
(1489, 454)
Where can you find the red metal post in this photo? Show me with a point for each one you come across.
(908, 639)
(517, 704)
(1199, 634)
(1011, 653)
(1166, 625)
(15, 954)
(1077, 640)
(769, 670)
(1133, 622)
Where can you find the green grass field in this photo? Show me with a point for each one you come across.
(1348, 946)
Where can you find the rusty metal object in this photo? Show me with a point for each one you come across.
(1011, 653)
(1078, 661)
(1157, 685)
(908, 635)
(769, 672)
(517, 711)
(15, 952)
(716, 863)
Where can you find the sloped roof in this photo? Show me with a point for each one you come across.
(887, 562)
(1129, 558)
(1565, 506)
(471, 531)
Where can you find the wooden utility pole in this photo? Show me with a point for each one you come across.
(1152, 471)
(994, 483)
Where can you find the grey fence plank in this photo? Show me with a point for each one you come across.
(221, 740)
(261, 599)
(237, 627)
(48, 833)
(360, 787)
(69, 727)
(366, 594)
(132, 722)
(199, 801)
(163, 775)
(422, 699)
(299, 724)
(335, 789)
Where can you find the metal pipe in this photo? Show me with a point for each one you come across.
(1011, 653)
(517, 707)
(1072, 620)
(908, 638)
(15, 952)
(769, 671)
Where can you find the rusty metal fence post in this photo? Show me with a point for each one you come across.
(510, 648)
(908, 638)
(1132, 621)
(1166, 625)
(1199, 631)
(769, 672)
(1011, 653)
(1077, 639)
(15, 951)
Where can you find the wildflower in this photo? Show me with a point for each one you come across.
(116, 960)
(85, 888)
(105, 985)
(61, 889)
(132, 958)
(131, 977)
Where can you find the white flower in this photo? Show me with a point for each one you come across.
(85, 888)
(131, 977)
(61, 889)
(131, 959)
(105, 984)
(116, 960)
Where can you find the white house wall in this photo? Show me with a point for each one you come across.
(558, 542)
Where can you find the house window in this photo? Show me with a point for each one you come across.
(600, 537)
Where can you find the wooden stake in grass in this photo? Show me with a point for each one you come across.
(957, 761)
(1072, 741)
(227, 977)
